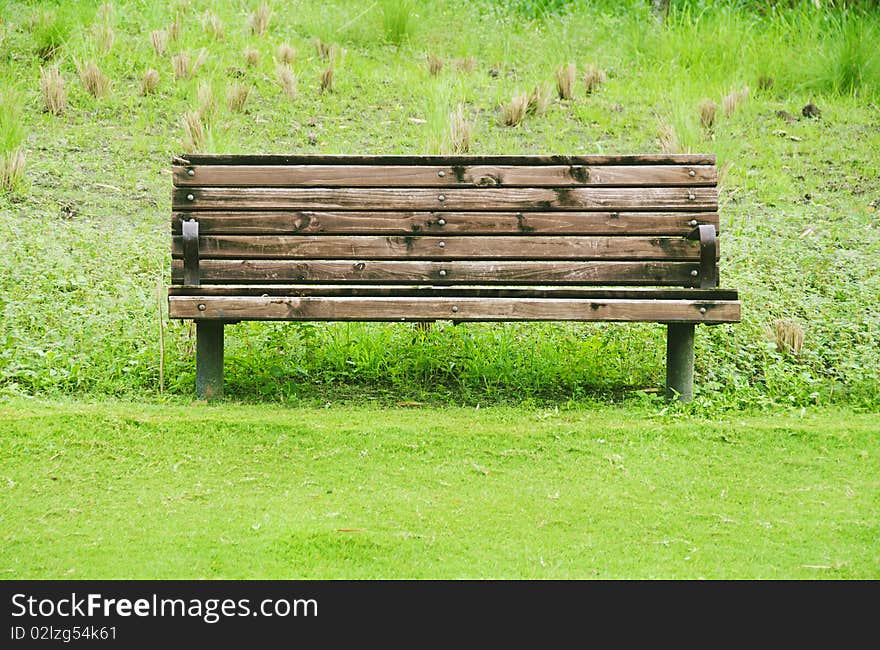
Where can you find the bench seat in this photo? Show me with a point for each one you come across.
(394, 303)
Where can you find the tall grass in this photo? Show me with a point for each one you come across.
(12, 157)
(803, 48)
(51, 28)
(849, 61)
(397, 20)
(53, 91)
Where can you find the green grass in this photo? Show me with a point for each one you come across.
(518, 466)
(117, 490)
(84, 240)
(397, 19)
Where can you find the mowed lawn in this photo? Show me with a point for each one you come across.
(128, 490)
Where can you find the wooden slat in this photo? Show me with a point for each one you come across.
(459, 272)
(442, 248)
(468, 223)
(442, 176)
(321, 159)
(385, 290)
(464, 309)
(358, 198)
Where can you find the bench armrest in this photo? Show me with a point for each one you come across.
(191, 253)
(708, 255)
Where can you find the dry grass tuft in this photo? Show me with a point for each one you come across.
(105, 12)
(435, 64)
(539, 100)
(149, 81)
(193, 132)
(732, 101)
(200, 60)
(327, 80)
(180, 62)
(213, 26)
(252, 56)
(52, 89)
(207, 104)
(514, 113)
(325, 50)
(159, 41)
(286, 53)
(565, 76)
(96, 83)
(237, 96)
(467, 64)
(258, 21)
(669, 142)
(185, 67)
(12, 169)
(708, 110)
(594, 77)
(788, 336)
(173, 30)
(104, 35)
(286, 80)
(460, 131)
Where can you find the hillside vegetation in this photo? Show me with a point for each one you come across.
(96, 99)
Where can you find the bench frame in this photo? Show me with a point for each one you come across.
(213, 307)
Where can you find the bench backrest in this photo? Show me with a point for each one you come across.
(511, 220)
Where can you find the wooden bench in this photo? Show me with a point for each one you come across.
(465, 238)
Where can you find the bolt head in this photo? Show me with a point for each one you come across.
(190, 172)
(202, 306)
(190, 197)
(441, 173)
(692, 222)
(454, 309)
(442, 244)
(702, 310)
(441, 198)
(441, 222)
(442, 273)
(691, 197)
(695, 273)
(692, 173)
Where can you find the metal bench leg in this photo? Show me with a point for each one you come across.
(209, 359)
(680, 361)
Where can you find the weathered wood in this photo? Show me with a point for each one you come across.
(461, 309)
(442, 176)
(470, 291)
(190, 252)
(446, 223)
(489, 247)
(530, 198)
(322, 159)
(458, 272)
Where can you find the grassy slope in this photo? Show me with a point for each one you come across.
(118, 491)
(85, 243)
